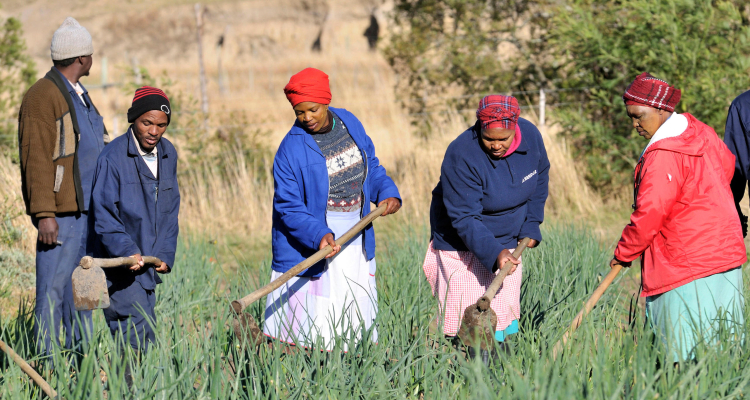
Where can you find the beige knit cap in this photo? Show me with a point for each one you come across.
(71, 40)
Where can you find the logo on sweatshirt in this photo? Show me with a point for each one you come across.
(527, 177)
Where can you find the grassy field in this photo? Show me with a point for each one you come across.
(198, 357)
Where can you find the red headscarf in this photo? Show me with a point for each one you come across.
(647, 90)
(498, 111)
(310, 84)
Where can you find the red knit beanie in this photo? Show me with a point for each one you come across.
(147, 99)
(646, 90)
(498, 111)
(310, 84)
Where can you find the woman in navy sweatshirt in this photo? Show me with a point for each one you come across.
(492, 190)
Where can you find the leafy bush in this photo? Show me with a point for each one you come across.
(466, 49)
(17, 73)
(700, 46)
(583, 53)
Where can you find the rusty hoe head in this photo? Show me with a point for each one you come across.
(89, 287)
(478, 325)
(247, 330)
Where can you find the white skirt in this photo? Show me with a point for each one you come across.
(341, 303)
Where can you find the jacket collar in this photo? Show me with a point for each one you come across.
(133, 146)
(297, 129)
(69, 85)
(674, 126)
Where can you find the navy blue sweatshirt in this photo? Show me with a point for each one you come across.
(736, 138)
(484, 205)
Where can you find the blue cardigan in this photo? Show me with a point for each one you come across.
(301, 195)
(484, 205)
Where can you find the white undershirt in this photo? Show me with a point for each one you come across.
(79, 91)
(151, 159)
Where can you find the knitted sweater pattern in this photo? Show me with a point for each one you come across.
(346, 169)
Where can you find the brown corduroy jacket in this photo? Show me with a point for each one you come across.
(48, 137)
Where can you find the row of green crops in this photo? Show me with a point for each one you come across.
(198, 357)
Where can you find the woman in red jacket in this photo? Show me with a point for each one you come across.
(684, 225)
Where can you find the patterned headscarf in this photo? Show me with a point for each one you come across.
(646, 90)
(498, 111)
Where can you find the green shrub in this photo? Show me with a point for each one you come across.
(700, 46)
(17, 73)
(583, 53)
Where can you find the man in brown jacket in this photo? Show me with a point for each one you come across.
(60, 134)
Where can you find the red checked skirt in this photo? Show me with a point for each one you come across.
(458, 280)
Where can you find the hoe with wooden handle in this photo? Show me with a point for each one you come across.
(479, 321)
(245, 324)
(586, 309)
(90, 284)
(25, 367)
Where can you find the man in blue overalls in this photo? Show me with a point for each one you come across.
(135, 203)
(60, 135)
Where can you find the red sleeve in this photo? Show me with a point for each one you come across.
(662, 179)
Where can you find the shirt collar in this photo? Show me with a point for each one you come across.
(78, 89)
(153, 152)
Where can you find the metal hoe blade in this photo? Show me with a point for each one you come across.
(478, 325)
(247, 330)
(90, 289)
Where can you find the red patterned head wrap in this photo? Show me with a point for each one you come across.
(647, 90)
(310, 84)
(498, 111)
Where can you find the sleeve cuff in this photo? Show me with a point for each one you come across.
(388, 193)
(46, 214)
(319, 237)
(531, 230)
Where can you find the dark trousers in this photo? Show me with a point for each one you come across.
(130, 315)
(54, 290)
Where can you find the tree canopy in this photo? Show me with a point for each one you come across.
(584, 53)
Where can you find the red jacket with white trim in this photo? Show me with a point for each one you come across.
(684, 225)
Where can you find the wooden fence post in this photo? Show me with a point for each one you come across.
(542, 106)
(202, 70)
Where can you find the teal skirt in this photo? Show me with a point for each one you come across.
(707, 310)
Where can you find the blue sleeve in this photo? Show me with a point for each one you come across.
(381, 186)
(170, 229)
(535, 204)
(736, 139)
(291, 208)
(462, 196)
(105, 196)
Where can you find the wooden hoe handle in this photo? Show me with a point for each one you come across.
(498, 280)
(587, 308)
(241, 304)
(89, 262)
(25, 367)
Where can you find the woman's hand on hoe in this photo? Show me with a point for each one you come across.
(503, 258)
(329, 241)
(393, 206)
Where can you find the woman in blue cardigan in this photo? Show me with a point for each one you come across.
(492, 190)
(325, 176)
